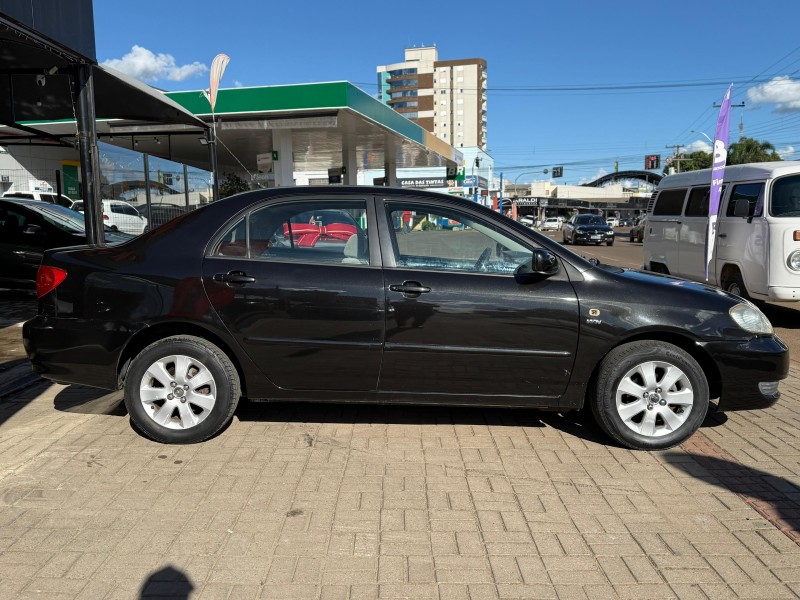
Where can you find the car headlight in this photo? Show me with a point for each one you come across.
(609, 233)
(794, 260)
(749, 318)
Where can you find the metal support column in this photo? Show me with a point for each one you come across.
(211, 138)
(89, 156)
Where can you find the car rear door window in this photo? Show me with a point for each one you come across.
(313, 232)
(698, 202)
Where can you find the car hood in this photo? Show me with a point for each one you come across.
(657, 284)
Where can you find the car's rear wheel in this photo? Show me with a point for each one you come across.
(181, 389)
(650, 395)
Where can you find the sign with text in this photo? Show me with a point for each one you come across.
(422, 182)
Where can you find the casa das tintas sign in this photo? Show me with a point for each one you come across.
(422, 182)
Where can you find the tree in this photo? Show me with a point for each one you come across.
(232, 184)
(748, 150)
(695, 161)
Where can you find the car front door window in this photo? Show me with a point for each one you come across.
(443, 240)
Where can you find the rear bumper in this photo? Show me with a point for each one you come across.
(744, 365)
(73, 351)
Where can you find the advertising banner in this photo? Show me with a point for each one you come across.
(720, 151)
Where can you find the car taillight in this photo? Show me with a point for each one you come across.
(48, 279)
(105, 217)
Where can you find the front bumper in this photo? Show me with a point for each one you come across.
(743, 365)
(593, 238)
(784, 294)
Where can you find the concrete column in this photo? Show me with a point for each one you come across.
(349, 162)
(389, 162)
(284, 166)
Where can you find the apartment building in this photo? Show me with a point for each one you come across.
(445, 97)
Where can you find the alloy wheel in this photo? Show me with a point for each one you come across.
(654, 398)
(178, 392)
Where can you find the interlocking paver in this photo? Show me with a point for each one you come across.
(347, 502)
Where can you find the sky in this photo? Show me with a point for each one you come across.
(579, 83)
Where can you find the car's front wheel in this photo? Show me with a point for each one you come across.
(181, 389)
(650, 395)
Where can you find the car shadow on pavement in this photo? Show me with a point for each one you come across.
(775, 498)
(89, 401)
(576, 423)
(781, 316)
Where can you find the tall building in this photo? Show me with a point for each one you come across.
(446, 97)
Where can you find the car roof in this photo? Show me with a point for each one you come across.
(750, 171)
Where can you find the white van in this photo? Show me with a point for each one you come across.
(757, 249)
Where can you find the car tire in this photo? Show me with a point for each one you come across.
(611, 243)
(629, 401)
(162, 399)
(632, 237)
(733, 283)
(564, 236)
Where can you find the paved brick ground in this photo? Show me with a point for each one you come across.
(352, 502)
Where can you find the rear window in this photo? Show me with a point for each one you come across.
(669, 202)
(124, 209)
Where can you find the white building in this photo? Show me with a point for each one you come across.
(447, 98)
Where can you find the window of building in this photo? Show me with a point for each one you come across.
(461, 101)
(460, 79)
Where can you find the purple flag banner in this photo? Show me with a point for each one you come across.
(717, 173)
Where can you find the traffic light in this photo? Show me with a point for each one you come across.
(558, 171)
(652, 161)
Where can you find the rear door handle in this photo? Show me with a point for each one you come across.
(234, 277)
(410, 289)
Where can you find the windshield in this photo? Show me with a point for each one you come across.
(63, 218)
(786, 197)
(589, 220)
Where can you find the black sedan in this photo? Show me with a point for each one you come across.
(587, 229)
(311, 294)
(28, 228)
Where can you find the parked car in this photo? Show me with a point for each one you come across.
(638, 229)
(612, 222)
(52, 198)
(159, 213)
(551, 223)
(227, 303)
(588, 229)
(756, 252)
(28, 228)
(528, 220)
(625, 222)
(120, 216)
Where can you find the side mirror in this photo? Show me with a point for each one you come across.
(543, 263)
(741, 208)
(32, 229)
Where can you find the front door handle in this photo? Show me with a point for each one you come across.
(234, 277)
(410, 289)
(722, 235)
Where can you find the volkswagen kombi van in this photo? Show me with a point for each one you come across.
(757, 248)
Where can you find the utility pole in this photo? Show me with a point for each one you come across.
(677, 152)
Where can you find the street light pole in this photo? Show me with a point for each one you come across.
(705, 135)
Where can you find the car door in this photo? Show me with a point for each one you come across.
(457, 319)
(299, 286)
(22, 243)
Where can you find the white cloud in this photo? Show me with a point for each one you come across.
(145, 65)
(786, 153)
(698, 146)
(237, 83)
(598, 175)
(783, 92)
